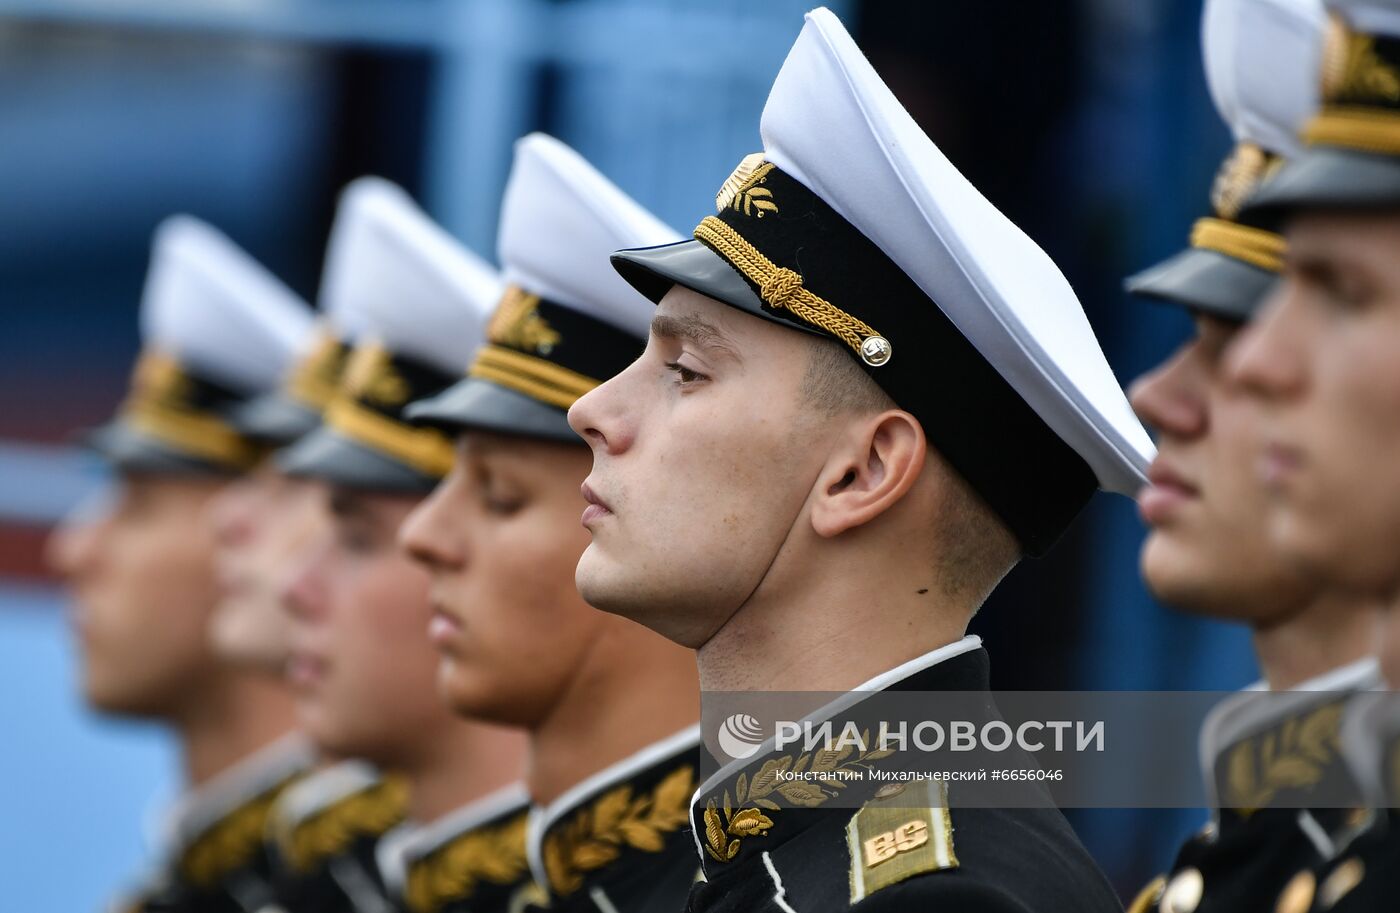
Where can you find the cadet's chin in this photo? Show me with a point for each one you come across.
(1180, 575)
(1344, 551)
(477, 696)
(591, 577)
(113, 695)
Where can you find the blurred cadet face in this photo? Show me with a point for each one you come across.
(263, 523)
(501, 537)
(142, 573)
(361, 664)
(1208, 549)
(704, 454)
(1321, 363)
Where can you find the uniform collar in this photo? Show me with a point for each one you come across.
(1371, 746)
(745, 800)
(630, 807)
(218, 827)
(481, 843)
(1303, 721)
(322, 815)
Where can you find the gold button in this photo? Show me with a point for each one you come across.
(1339, 884)
(1183, 892)
(876, 351)
(1297, 895)
(889, 791)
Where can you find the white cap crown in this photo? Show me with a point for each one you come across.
(560, 221)
(217, 310)
(1262, 59)
(831, 124)
(399, 279)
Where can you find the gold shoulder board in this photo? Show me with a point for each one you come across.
(890, 841)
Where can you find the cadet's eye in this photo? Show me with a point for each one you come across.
(684, 375)
(499, 497)
(355, 538)
(502, 505)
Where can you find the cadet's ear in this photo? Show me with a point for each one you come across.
(867, 474)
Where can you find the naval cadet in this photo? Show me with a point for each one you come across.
(1318, 364)
(1359, 875)
(1208, 551)
(360, 664)
(610, 707)
(866, 395)
(264, 519)
(217, 329)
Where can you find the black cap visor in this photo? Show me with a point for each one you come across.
(1324, 178)
(275, 419)
(1206, 281)
(130, 449)
(332, 457)
(690, 264)
(478, 403)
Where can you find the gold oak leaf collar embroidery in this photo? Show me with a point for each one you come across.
(740, 810)
(493, 854)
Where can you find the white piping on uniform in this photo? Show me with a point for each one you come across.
(779, 892)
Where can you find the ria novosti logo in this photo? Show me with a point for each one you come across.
(740, 736)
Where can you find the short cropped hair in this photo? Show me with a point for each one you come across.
(834, 384)
(971, 548)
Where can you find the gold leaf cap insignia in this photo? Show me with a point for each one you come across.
(1351, 67)
(370, 375)
(518, 323)
(738, 190)
(1237, 178)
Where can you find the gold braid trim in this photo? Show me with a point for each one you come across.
(1362, 129)
(425, 449)
(202, 435)
(1254, 246)
(535, 377)
(780, 287)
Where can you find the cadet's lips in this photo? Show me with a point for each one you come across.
(1277, 462)
(305, 670)
(596, 509)
(444, 627)
(1165, 493)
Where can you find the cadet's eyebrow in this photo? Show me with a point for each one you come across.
(692, 329)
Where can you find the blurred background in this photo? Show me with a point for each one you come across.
(1086, 121)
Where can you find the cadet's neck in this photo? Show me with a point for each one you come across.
(633, 688)
(832, 630)
(229, 720)
(1329, 632)
(467, 761)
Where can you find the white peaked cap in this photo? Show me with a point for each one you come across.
(560, 221)
(831, 124)
(1262, 61)
(395, 277)
(217, 311)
